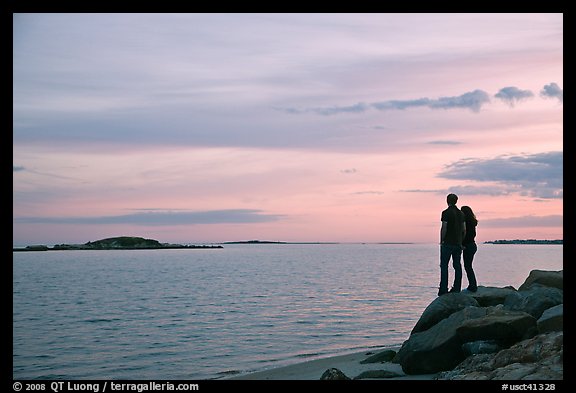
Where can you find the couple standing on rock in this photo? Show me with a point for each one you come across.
(456, 238)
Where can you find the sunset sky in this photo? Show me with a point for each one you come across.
(199, 128)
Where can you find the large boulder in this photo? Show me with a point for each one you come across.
(438, 348)
(380, 357)
(481, 346)
(441, 308)
(441, 347)
(546, 278)
(491, 296)
(504, 326)
(377, 374)
(535, 299)
(538, 358)
(333, 374)
(473, 326)
(551, 319)
(533, 350)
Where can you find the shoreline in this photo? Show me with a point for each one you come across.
(349, 364)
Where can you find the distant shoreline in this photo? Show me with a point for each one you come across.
(115, 243)
(283, 242)
(138, 243)
(525, 241)
(83, 247)
(72, 248)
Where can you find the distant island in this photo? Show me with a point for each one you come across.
(273, 242)
(283, 242)
(254, 242)
(525, 241)
(116, 243)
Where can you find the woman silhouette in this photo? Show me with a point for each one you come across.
(469, 246)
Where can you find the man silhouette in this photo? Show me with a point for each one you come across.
(451, 235)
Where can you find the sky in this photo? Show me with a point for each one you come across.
(201, 128)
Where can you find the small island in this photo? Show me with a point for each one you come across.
(525, 241)
(116, 243)
(255, 242)
(273, 242)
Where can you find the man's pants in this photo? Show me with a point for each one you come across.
(447, 251)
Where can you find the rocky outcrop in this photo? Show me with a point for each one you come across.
(539, 358)
(380, 357)
(377, 374)
(498, 324)
(548, 278)
(494, 333)
(333, 374)
(115, 243)
(535, 299)
(441, 308)
(552, 319)
(438, 348)
(491, 296)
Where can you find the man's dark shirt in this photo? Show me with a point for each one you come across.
(455, 219)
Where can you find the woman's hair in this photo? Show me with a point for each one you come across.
(469, 214)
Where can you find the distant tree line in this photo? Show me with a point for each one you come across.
(525, 241)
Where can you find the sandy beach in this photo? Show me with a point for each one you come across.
(349, 364)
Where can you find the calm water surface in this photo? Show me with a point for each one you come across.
(199, 314)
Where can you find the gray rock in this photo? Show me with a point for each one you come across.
(473, 367)
(552, 319)
(377, 374)
(507, 327)
(532, 350)
(538, 358)
(534, 300)
(546, 278)
(462, 335)
(480, 347)
(438, 348)
(491, 296)
(333, 374)
(380, 357)
(441, 308)
(542, 371)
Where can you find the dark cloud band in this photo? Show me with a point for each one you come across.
(511, 95)
(472, 100)
(524, 221)
(157, 218)
(552, 90)
(534, 175)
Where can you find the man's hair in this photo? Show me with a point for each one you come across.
(452, 199)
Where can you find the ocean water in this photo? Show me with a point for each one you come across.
(210, 313)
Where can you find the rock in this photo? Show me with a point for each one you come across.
(538, 358)
(506, 327)
(438, 348)
(535, 300)
(441, 308)
(494, 333)
(333, 374)
(546, 278)
(381, 357)
(491, 296)
(377, 374)
(528, 351)
(476, 367)
(481, 346)
(552, 319)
